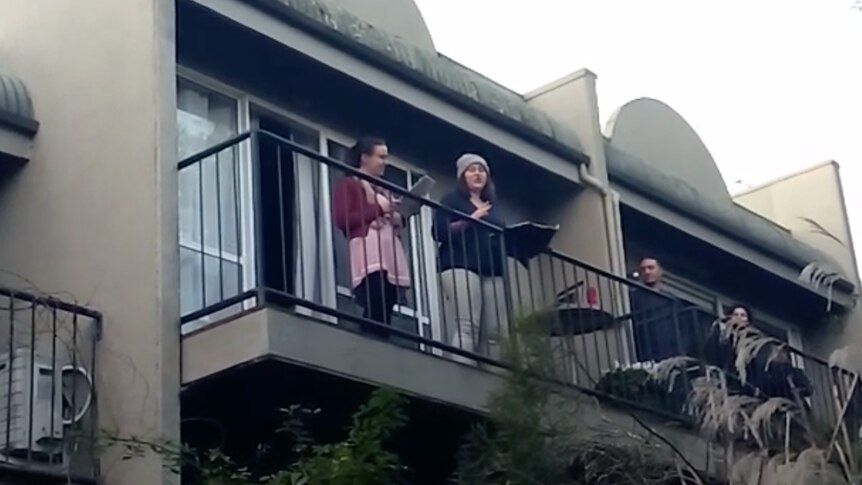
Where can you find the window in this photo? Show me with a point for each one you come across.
(688, 292)
(414, 313)
(211, 265)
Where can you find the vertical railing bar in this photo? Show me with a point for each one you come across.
(473, 332)
(202, 235)
(508, 295)
(364, 283)
(559, 308)
(518, 290)
(419, 250)
(616, 292)
(237, 211)
(219, 226)
(318, 172)
(74, 360)
(586, 329)
(441, 292)
(55, 373)
(481, 336)
(402, 298)
(382, 286)
(33, 372)
(94, 396)
(569, 326)
(606, 333)
(281, 225)
(590, 321)
(257, 210)
(530, 286)
(502, 334)
(9, 371)
(542, 308)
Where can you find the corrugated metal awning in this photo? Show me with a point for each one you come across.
(18, 123)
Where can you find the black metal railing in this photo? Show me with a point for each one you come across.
(267, 221)
(48, 417)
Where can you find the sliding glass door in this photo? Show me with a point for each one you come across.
(210, 199)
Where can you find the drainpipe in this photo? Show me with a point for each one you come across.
(616, 249)
(611, 200)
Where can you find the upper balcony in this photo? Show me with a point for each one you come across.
(48, 406)
(267, 274)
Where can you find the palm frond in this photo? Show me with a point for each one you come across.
(764, 416)
(667, 370)
(820, 276)
(818, 228)
(722, 417)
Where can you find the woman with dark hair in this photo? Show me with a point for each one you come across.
(720, 351)
(368, 216)
(471, 260)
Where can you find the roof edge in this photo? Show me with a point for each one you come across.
(716, 222)
(20, 124)
(782, 178)
(287, 11)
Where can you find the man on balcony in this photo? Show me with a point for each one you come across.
(661, 328)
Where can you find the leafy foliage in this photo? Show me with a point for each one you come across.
(534, 436)
(361, 459)
(520, 445)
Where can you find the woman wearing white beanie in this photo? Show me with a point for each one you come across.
(471, 261)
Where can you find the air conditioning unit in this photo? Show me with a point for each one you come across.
(31, 405)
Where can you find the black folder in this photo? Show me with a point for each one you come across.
(526, 240)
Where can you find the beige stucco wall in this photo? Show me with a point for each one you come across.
(814, 194)
(93, 214)
(572, 100)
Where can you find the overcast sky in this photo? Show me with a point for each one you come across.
(771, 86)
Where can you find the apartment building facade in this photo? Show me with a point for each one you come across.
(167, 179)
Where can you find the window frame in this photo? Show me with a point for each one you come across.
(245, 257)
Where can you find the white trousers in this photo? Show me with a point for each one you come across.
(475, 312)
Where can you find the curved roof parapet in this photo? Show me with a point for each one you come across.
(735, 221)
(654, 151)
(437, 73)
(661, 137)
(16, 106)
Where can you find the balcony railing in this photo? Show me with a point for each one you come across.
(259, 226)
(47, 387)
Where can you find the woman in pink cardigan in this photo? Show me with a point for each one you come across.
(368, 216)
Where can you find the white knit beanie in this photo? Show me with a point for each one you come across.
(467, 159)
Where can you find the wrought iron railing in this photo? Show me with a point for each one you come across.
(260, 225)
(48, 422)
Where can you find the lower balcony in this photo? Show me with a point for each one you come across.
(267, 276)
(48, 424)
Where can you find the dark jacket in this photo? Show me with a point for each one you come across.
(653, 325)
(473, 247)
(782, 379)
(666, 327)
